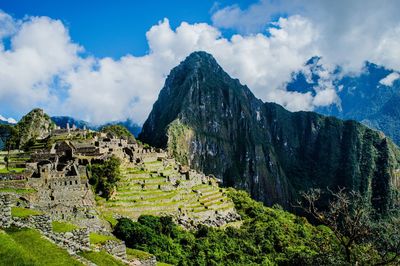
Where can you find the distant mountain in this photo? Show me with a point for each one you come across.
(365, 98)
(62, 121)
(214, 124)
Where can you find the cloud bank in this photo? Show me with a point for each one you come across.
(43, 67)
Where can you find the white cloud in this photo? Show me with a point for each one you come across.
(104, 89)
(350, 32)
(40, 50)
(44, 67)
(389, 79)
(9, 120)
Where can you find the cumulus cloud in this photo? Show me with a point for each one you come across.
(389, 79)
(53, 74)
(349, 32)
(40, 50)
(44, 67)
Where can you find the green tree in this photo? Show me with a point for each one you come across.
(104, 176)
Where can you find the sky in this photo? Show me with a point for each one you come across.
(107, 60)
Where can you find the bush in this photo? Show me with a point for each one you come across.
(267, 236)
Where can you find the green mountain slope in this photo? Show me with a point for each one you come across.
(214, 124)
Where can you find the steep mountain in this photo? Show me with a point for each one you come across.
(362, 97)
(35, 124)
(211, 122)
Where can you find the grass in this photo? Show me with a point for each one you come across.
(163, 264)
(11, 253)
(12, 170)
(97, 239)
(63, 227)
(23, 212)
(109, 217)
(28, 247)
(138, 254)
(101, 258)
(22, 191)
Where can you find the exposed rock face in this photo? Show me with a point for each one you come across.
(214, 124)
(34, 125)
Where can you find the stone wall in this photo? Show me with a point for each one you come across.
(75, 241)
(5, 210)
(39, 222)
(116, 248)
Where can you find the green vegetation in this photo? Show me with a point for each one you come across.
(97, 239)
(163, 264)
(27, 247)
(101, 258)
(138, 254)
(21, 191)
(23, 212)
(11, 170)
(62, 227)
(119, 131)
(104, 176)
(267, 236)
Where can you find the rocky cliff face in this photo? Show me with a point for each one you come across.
(214, 124)
(35, 124)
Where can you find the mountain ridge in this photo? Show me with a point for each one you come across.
(215, 124)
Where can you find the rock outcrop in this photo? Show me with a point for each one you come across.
(214, 124)
(34, 125)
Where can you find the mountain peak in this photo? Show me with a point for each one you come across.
(200, 60)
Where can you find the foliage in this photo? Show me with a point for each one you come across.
(62, 227)
(28, 247)
(23, 212)
(119, 131)
(12, 170)
(267, 236)
(101, 258)
(105, 175)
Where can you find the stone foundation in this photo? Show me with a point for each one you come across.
(5, 210)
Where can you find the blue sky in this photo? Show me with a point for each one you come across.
(115, 28)
(107, 60)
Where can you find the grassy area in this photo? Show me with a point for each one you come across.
(138, 254)
(101, 258)
(163, 264)
(14, 170)
(28, 247)
(23, 212)
(11, 253)
(108, 216)
(22, 191)
(63, 227)
(97, 239)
